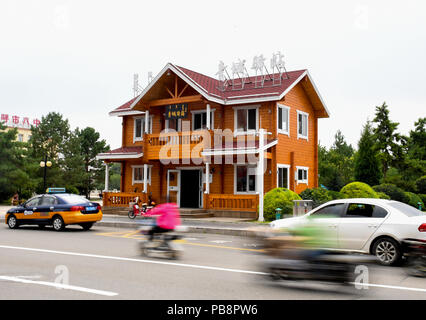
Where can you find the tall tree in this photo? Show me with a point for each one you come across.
(387, 140)
(13, 175)
(80, 159)
(367, 165)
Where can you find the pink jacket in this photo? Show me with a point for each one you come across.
(168, 214)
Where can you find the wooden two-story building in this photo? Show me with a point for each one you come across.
(205, 143)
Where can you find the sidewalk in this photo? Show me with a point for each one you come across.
(215, 225)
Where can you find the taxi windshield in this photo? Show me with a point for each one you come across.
(73, 198)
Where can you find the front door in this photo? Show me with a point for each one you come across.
(190, 193)
(173, 186)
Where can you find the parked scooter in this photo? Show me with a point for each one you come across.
(140, 211)
(415, 252)
(163, 244)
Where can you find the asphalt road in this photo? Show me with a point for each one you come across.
(104, 263)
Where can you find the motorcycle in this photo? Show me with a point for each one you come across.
(415, 253)
(140, 211)
(164, 244)
(285, 260)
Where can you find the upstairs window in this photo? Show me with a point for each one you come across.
(246, 119)
(283, 119)
(139, 128)
(302, 125)
(199, 120)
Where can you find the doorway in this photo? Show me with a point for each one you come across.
(190, 193)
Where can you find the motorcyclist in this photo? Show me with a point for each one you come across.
(167, 218)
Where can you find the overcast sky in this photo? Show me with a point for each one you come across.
(78, 57)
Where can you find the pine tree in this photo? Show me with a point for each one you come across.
(387, 140)
(367, 165)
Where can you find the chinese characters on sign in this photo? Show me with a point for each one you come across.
(176, 111)
(17, 121)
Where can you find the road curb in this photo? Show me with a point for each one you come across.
(192, 229)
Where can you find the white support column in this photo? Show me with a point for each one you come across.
(106, 177)
(260, 171)
(145, 176)
(208, 120)
(146, 121)
(207, 178)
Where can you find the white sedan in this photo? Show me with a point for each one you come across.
(371, 226)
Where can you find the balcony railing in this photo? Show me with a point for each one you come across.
(176, 144)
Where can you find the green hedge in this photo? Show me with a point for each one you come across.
(394, 192)
(421, 185)
(317, 195)
(278, 198)
(414, 200)
(358, 190)
(383, 195)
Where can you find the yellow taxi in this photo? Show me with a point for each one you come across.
(56, 208)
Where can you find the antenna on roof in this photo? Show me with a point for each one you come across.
(150, 77)
(136, 88)
(277, 63)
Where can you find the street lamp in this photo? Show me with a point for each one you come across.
(45, 164)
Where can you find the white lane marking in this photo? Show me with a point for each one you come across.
(191, 239)
(132, 260)
(220, 241)
(184, 265)
(28, 277)
(388, 287)
(59, 286)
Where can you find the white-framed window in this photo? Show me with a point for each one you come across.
(302, 174)
(199, 119)
(245, 179)
(246, 119)
(283, 176)
(139, 127)
(20, 137)
(283, 119)
(173, 124)
(302, 124)
(137, 174)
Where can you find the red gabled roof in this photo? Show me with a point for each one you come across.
(211, 85)
(209, 88)
(123, 150)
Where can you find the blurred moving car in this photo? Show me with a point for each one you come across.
(55, 208)
(371, 226)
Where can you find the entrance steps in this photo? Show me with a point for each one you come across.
(194, 213)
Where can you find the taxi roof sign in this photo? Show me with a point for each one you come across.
(55, 190)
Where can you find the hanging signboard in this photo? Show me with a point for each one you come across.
(176, 111)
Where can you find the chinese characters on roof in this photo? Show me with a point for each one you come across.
(18, 121)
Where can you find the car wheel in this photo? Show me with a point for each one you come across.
(12, 222)
(58, 223)
(387, 251)
(86, 226)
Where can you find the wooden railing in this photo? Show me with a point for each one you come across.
(122, 199)
(179, 144)
(234, 202)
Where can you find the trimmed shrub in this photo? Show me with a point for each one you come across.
(358, 190)
(335, 195)
(317, 195)
(414, 200)
(278, 198)
(383, 195)
(392, 191)
(421, 185)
